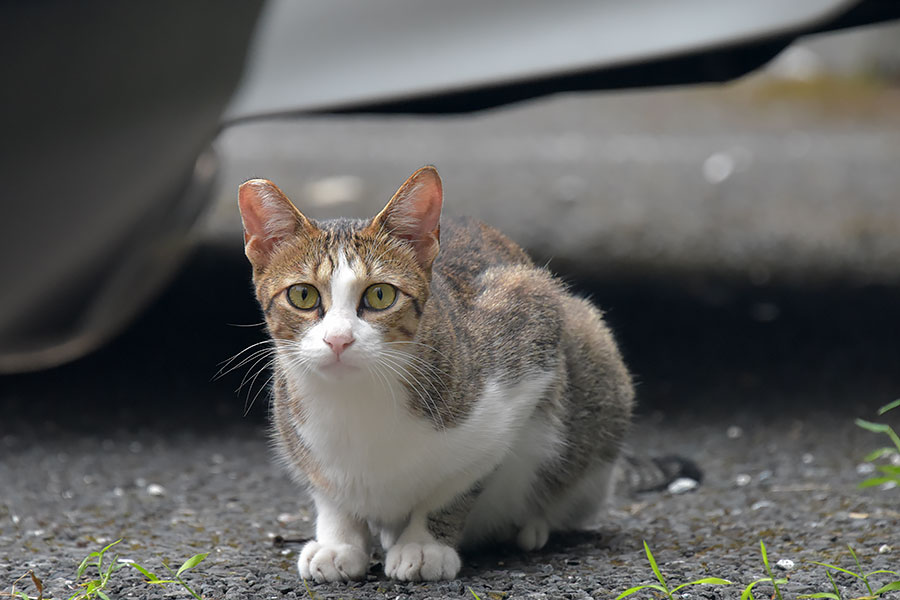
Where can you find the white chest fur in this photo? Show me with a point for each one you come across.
(382, 460)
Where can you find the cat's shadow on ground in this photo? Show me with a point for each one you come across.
(562, 546)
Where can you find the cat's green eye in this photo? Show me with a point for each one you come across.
(303, 296)
(380, 296)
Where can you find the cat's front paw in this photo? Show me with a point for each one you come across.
(332, 562)
(421, 562)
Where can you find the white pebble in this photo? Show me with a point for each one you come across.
(884, 549)
(15, 519)
(285, 518)
(682, 485)
(154, 489)
(760, 505)
(865, 468)
(807, 458)
(734, 432)
(742, 479)
(118, 492)
(785, 564)
(888, 485)
(718, 167)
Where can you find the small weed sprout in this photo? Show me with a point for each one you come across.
(747, 594)
(176, 575)
(862, 576)
(663, 586)
(90, 589)
(94, 588)
(889, 473)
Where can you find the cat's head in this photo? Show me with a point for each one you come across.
(338, 294)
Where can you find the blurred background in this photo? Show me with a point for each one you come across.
(743, 236)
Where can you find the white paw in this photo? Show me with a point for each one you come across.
(332, 562)
(421, 562)
(533, 535)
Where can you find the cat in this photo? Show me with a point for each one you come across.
(431, 384)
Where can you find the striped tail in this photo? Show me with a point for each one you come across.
(642, 474)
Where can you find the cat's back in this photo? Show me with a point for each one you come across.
(470, 247)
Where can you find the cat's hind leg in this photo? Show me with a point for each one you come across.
(341, 549)
(570, 508)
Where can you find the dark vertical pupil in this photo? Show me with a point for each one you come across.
(380, 293)
(304, 292)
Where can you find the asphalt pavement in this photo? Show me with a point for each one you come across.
(760, 387)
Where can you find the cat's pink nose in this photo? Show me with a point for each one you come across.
(339, 342)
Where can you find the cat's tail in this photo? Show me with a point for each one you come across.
(639, 474)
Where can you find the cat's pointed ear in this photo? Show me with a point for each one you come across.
(269, 218)
(414, 214)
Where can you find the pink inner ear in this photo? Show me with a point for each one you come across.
(415, 210)
(414, 213)
(423, 203)
(268, 217)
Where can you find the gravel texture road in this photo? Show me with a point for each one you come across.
(760, 386)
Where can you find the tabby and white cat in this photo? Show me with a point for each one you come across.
(431, 383)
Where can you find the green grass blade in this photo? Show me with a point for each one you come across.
(111, 568)
(655, 568)
(309, 592)
(102, 595)
(189, 589)
(774, 581)
(109, 546)
(834, 586)
(887, 571)
(876, 454)
(873, 427)
(704, 581)
(889, 406)
(765, 557)
(872, 482)
(83, 566)
(474, 594)
(859, 566)
(820, 595)
(191, 563)
(150, 576)
(836, 568)
(747, 594)
(891, 587)
(638, 588)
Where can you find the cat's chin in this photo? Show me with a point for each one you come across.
(338, 371)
